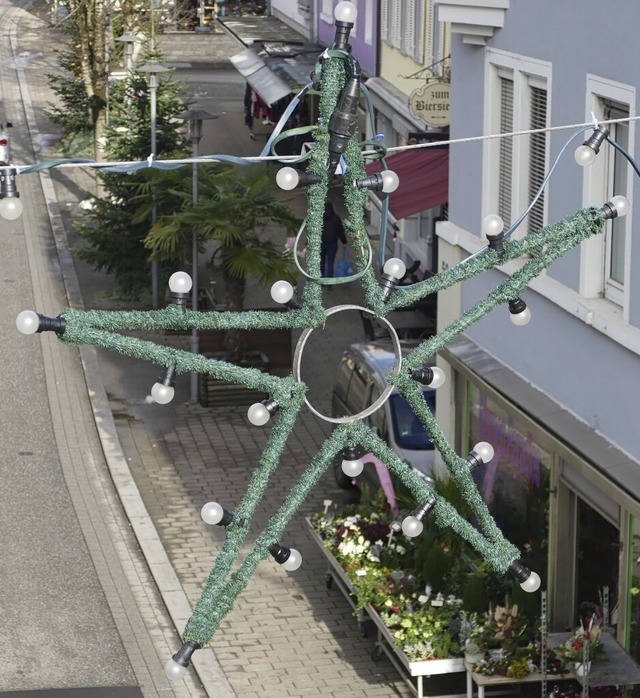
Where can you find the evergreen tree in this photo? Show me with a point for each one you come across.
(115, 228)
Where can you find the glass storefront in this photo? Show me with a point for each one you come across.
(515, 484)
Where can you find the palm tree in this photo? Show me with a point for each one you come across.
(237, 208)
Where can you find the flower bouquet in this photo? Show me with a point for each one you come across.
(584, 643)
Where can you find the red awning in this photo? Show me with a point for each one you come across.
(424, 179)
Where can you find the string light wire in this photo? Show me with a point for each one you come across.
(132, 165)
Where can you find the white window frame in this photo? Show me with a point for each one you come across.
(368, 22)
(326, 11)
(595, 189)
(524, 72)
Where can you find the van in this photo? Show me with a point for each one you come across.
(360, 380)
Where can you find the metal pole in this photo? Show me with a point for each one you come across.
(195, 340)
(153, 86)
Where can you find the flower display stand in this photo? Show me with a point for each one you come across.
(414, 673)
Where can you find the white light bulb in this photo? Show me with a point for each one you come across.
(282, 292)
(584, 155)
(293, 562)
(212, 513)
(287, 178)
(10, 208)
(484, 450)
(394, 267)
(345, 12)
(390, 181)
(492, 225)
(522, 318)
(531, 583)
(621, 204)
(28, 322)
(162, 394)
(352, 468)
(438, 377)
(412, 527)
(174, 671)
(180, 282)
(258, 414)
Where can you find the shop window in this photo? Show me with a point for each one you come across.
(633, 605)
(515, 484)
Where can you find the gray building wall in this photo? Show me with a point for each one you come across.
(578, 366)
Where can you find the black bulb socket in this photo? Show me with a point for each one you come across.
(271, 405)
(474, 460)
(341, 39)
(610, 211)
(184, 654)
(517, 306)
(373, 182)
(423, 510)
(423, 375)
(597, 138)
(279, 553)
(519, 571)
(169, 376)
(51, 324)
(351, 453)
(179, 299)
(496, 243)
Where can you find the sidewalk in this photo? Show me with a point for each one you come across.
(288, 635)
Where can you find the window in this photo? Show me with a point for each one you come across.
(402, 26)
(616, 181)
(516, 166)
(605, 265)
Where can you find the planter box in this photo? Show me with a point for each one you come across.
(412, 672)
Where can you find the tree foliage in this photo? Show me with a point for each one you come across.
(238, 209)
(117, 222)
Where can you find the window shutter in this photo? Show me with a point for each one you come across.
(505, 177)
(384, 20)
(537, 157)
(409, 29)
(396, 24)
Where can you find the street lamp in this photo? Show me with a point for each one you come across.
(128, 40)
(196, 115)
(153, 68)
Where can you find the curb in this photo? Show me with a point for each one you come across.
(204, 661)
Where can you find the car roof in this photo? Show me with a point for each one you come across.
(380, 356)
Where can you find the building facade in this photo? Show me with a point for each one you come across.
(557, 397)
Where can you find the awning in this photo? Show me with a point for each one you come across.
(424, 179)
(278, 61)
(262, 79)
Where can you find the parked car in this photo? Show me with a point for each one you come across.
(360, 380)
(5, 150)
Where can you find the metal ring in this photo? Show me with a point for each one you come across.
(297, 360)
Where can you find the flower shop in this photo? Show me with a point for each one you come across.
(448, 623)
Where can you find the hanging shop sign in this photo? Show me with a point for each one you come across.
(432, 103)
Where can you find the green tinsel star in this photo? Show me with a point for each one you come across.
(100, 328)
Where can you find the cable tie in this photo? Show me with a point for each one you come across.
(594, 118)
(378, 137)
(150, 160)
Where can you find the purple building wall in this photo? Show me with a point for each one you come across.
(366, 27)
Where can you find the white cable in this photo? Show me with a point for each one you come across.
(292, 158)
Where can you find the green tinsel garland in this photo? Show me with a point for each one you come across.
(99, 328)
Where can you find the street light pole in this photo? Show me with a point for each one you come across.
(196, 115)
(128, 40)
(152, 68)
